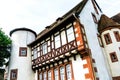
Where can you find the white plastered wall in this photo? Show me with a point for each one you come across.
(91, 33)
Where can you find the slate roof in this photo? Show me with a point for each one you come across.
(116, 18)
(23, 29)
(76, 11)
(106, 22)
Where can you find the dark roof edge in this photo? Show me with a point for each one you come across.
(24, 29)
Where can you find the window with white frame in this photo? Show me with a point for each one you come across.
(56, 74)
(44, 48)
(62, 73)
(49, 47)
(57, 41)
(70, 34)
(44, 76)
(35, 53)
(63, 38)
(40, 76)
(49, 75)
(68, 71)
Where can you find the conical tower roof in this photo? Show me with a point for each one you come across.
(106, 22)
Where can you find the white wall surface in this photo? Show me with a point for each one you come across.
(79, 72)
(91, 33)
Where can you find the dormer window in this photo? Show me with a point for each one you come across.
(107, 38)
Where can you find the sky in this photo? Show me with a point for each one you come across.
(37, 14)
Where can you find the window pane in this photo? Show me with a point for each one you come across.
(44, 45)
(23, 51)
(35, 53)
(68, 71)
(57, 41)
(56, 74)
(62, 74)
(70, 34)
(63, 37)
(49, 75)
(45, 76)
(40, 76)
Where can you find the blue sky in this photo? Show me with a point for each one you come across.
(37, 14)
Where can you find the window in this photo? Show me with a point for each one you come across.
(68, 71)
(35, 53)
(70, 34)
(107, 38)
(62, 73)
(56, 74)
(49, 75)
(57, 41)
(40, 76)
(94, 18)
(117, 36)
(63, 38)
(113, 57)
(13, 74)
(44, 76)
(49, 47)
(44, 48)
(23, 51)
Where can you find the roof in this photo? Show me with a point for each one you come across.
(77, 9)
(24, 29)
(106, 22)
(73, 12)
(116, 18)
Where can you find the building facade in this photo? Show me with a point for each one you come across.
(83, 44)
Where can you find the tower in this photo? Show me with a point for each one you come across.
(110, 35)
(20, 60)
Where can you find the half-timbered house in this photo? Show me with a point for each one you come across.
(83, 44)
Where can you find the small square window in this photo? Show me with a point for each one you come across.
(23, 51)
(13, 74)
(107, 38)
(113, 57)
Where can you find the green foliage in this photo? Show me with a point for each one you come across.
(5, 44)
(2, 74)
